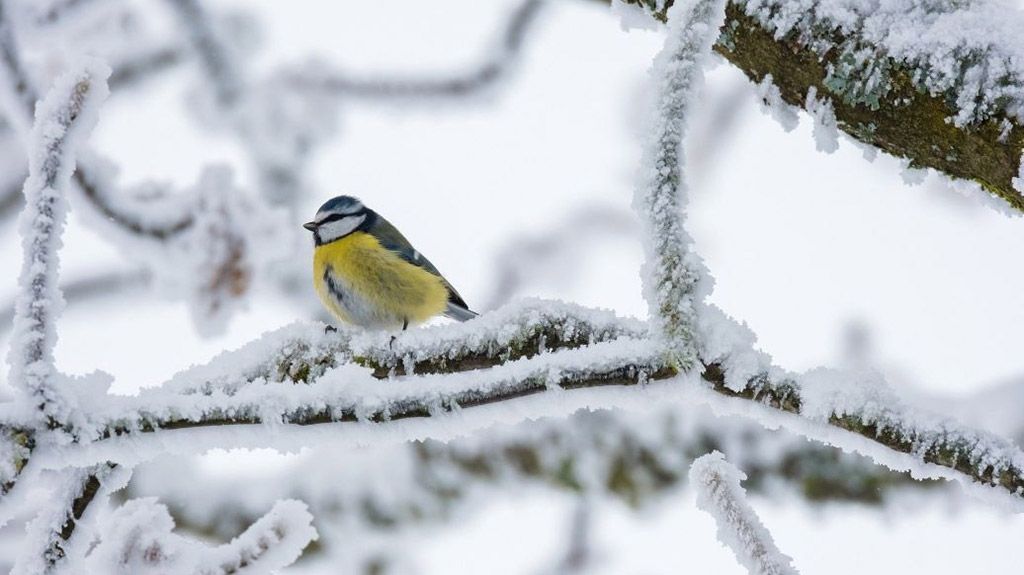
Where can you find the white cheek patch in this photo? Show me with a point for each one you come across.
(339, 228)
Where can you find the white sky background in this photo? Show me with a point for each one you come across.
(800, 243)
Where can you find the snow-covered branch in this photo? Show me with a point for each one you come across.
(211, 51)
(63, 121)
(138, 539)
(251, 386)
(52, 532)
(637, 458)
(719, 492)
(21, 97)
(940, 84)
(675, 279)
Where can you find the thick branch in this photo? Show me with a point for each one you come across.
(902, 103)
(210, 396)
(637, 458)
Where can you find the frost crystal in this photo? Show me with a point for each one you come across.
(719, 492)
(773, 105)
(826, 132)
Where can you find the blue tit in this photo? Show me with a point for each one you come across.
(367, 274)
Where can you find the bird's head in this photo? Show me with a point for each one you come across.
(337, 218)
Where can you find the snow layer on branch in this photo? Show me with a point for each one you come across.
(350, 393)
(138, 539)
(719, 492)
(866, 397)
(674, 277)
(638, 457)
(773, 105)
(726, 342)
(504, 332)
(826, 132)
(300, 352)
(231, 239)
(971, 48)
(633, 16)
(62, 121)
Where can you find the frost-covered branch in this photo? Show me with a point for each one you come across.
(939, 84)
(250, 386)
(674, 277)
(53, 531)
(63, 120)
(211, 51)
(505, 54)
(637, 458)
(98, 285)
(95, 188)
(138, 538)
(719, 492)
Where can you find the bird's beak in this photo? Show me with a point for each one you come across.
(311, 226)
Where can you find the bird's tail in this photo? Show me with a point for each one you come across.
(457, 312)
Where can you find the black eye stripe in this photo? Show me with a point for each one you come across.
(336, 217)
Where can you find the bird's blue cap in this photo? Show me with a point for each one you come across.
(341, 205)
(338, 206)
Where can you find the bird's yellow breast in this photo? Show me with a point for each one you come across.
(364, 283)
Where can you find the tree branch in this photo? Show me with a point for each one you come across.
(674, 277)
(894, 96)
(139, 539)
(53, 529)
(231, 392)
(65, 118)
(719, 492)
(508, 49)
(636, 458)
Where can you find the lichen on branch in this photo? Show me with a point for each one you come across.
(940, 85)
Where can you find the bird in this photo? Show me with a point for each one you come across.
(367, 274)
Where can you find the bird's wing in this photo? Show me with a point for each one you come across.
(393, 240)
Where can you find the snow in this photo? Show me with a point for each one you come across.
(498, 333)
(717, 483)
(970, 50)
(674, 277)
(726, 342)
(632, 16)
(773, 105)
(826, 132)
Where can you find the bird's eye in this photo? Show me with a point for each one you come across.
(330, 218)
